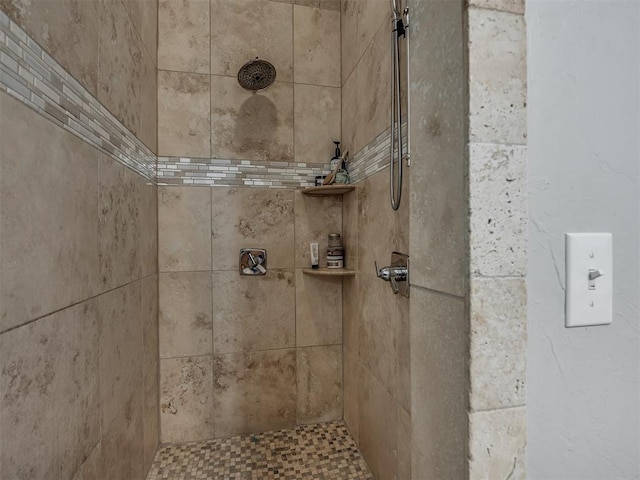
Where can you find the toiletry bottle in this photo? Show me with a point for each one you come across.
(336, 163)
(337, 159)
(335, 251)
(343, 174)
(314, 255)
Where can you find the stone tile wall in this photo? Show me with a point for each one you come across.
(35, 78)
(371, 159)
(108, 46)
(78, 310)
(227, 366)
(78, 240)
(497, 162)
(377, 375)
(468, 239)
(284, 132)
(438, 231)
(243, 354)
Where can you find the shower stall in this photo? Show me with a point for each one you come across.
(144, 144)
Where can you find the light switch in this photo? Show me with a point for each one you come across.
(589, 269)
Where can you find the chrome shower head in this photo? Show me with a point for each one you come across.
(256, 74)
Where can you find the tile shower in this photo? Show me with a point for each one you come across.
(124, 322)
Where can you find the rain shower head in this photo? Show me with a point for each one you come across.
(256, 75)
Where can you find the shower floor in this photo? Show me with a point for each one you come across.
(319, 452)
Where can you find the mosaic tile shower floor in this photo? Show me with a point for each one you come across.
(314, 452)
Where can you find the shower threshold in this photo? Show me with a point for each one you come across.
(321, 451)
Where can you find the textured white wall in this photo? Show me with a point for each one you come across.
(584, 145)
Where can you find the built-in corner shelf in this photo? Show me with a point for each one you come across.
(321, 191)
(328, 190)
(329, 272)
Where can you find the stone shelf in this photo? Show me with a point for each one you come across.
(329, 272)
(328, 190)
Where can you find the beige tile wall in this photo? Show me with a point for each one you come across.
(78, 306)
(184, 99)
(184, 49)
(270, 345)
(377, 370)
(468, 239)
(65, 240)
(257, 353)
(186, 398)
(497, 156)
(255, 391)
(376, 336)
(36, 203)
(109, 46)
(366, 61)
(209, 343)
(55, 358)
(202, 110)
(438, 242)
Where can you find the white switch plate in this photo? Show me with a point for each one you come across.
(585, 252)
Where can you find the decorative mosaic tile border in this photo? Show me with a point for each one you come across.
(249, 173)
(32, 76)
(374, 156)
(183, 171)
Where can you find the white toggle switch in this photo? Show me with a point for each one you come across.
(593, 274)
(589, 269)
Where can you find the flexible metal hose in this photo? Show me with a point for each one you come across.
(397, 154)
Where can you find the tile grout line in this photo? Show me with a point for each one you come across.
(238, 352)
(75, 304)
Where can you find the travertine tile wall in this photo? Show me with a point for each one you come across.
(205, 115)
(497, 153)
(29, 74)
(78, 341)
(109, 46)
(468, 235)
(438, 238)
(377, 376)
(78, 252)
(377, 373)
(242, 354)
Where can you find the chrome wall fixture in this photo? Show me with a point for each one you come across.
(399, 28)
(256, 75)
(253, 261)
(397, 274)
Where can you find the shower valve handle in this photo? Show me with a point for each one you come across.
(393, 275)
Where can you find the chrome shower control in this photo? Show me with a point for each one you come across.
(397, 274)
(253, 261)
